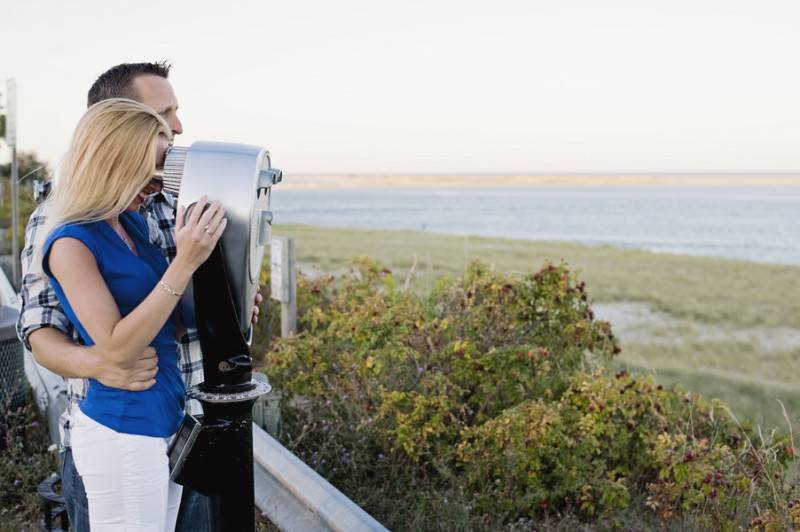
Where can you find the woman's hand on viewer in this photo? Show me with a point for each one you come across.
(197, 234)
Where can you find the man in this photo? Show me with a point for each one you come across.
(46, 331)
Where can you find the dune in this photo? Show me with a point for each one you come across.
(344, 182)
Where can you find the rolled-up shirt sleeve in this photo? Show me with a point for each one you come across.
(39, 305)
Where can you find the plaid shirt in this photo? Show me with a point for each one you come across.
(40, 307)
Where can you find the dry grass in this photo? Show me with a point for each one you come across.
(692, 292)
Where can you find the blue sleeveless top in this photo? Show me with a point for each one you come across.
(157, 411)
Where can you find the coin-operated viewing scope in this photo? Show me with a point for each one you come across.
(213, 453)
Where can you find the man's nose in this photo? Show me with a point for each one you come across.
(175, 125)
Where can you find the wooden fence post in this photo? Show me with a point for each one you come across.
(283, 281)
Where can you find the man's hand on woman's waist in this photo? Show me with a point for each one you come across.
(136, 375)
(57, 352)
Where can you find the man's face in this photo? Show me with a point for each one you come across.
(156, 92)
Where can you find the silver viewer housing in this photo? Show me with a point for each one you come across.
(240, 177)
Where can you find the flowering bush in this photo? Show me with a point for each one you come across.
(609, 439)
(490, 396)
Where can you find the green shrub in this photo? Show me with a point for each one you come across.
(609, 439)
(25, 461)
(421, 370)
(772, 521)
(489, 396)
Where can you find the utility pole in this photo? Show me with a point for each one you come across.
(11, 140)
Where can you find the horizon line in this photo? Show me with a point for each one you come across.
(551, 174)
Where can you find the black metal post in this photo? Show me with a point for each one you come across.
(213, 454)
(232, 508)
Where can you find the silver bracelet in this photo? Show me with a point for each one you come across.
(171, 291)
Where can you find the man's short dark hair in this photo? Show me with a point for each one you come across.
(117, 82)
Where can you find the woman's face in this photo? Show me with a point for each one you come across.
(154, 186)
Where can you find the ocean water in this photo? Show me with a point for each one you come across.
(757, 224)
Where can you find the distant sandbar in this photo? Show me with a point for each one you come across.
(329, 182)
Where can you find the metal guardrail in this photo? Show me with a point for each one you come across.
(8, 296)
(294, 497)
(49, 391)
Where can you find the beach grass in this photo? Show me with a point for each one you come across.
(753, 401)
(715, 291)
(723, 328)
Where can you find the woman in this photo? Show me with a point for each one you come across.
(120, 294)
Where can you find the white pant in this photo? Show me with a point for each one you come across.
(126, 477)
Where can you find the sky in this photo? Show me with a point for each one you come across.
(435, 86)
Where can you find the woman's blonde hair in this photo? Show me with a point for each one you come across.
(110, 160)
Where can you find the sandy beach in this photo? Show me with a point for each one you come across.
(344, 182)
